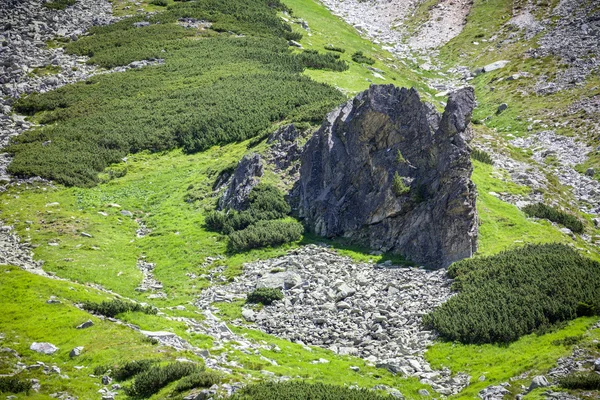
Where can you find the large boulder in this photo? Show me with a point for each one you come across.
(247, 175)
(389, 172)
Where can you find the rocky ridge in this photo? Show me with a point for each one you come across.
(389, 172)
(366, 310)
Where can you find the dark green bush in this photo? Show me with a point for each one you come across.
(296, 36)
(503, 297)
(264, 234)
(161, 3)
(265, 202)
(131, 369)
(315, 60)
(298, 390)
(12, 384)
(481, 156)
(360, 58)
(111, 308)
(265, 296)
(331, 47)
(202, 379)
(241, 85)
(59, 4)
(581, 381)
(540, 210)
(568, 341)
(157, 377)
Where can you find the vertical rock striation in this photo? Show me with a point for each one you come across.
(389, 172)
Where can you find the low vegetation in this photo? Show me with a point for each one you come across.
(541, 210)
(503, 297)
(481, 156)
(331, 47)
(398, 185)
(202, 379)
(242, 84)
(59, 4)
(298, 390)
(112, 308)
(131, 369)
(360, 58)
(581, 381)
(264, 234)
(260, 224)
(264, 296)
(154, 379)
(14, 384)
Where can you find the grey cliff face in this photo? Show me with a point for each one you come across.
(389, 172)
(247, 175)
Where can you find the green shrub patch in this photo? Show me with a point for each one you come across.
(59, 4)
(202, 379)
(264, 296)
(216, 86)
(360, 58)
(481, 156)
(516, 292)
(297, 390)
(581, 380)
(13, 384)
(540, 210)
(264, 234)
(131, 369)
(157, 377)
(112, 308)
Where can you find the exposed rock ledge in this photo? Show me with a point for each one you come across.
(389, 172)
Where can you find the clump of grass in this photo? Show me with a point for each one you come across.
(298, 390)
(360, 58)
(202, 379)
(111, 308)
(581, 381)
(541, 210)
(154, 379)
(264, 296)
(398, 185)
(503, 297)
(481, 156)
(13, 384)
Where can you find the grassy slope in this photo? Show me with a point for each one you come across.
(31, 319)
(154, 189)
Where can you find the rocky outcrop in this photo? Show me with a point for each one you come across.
(388, 171)
(246, 176)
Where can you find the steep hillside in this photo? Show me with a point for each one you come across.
(149, 149)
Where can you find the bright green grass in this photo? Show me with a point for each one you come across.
(31, 319)
(532, 353)
(329, 29)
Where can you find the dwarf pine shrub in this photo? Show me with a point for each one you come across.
(541, 210)
(360, 58)
(581, 381)
(481, 156)
(111, 308)
(264, 296)
(503, 297)
(264, 234)
(298, 390)
(157, 377)
(202, 379)
(131, 369)
(13, 384)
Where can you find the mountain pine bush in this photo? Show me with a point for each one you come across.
(298, 390)
(111, 308)
(264, 296)
(265, 233)
(541, 210)
(221, 89)
(154, 379)
(503, 297)
(13, 384)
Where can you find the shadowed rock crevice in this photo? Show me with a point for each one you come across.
(389, 172)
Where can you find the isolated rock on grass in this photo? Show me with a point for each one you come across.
(387, 171)
(44, 348)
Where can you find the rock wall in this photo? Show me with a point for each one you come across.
(388, 171)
